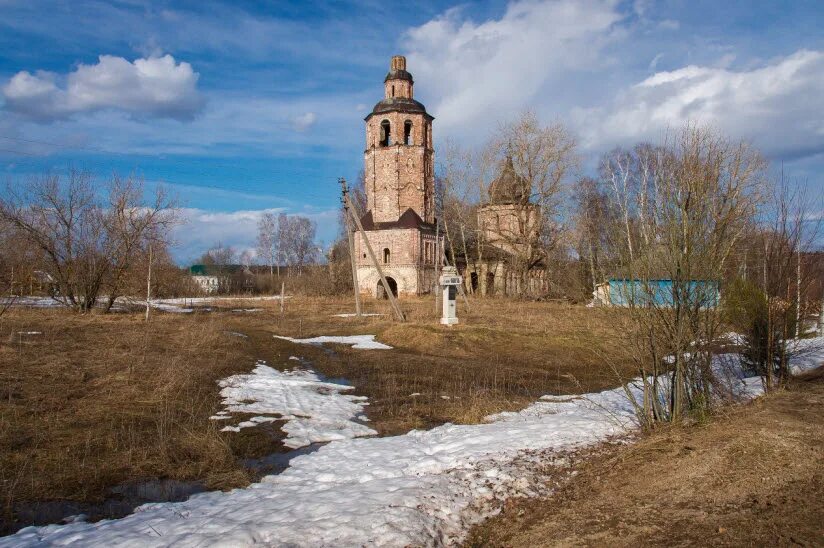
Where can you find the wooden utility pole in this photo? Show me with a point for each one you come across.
(352, 258)
(392, 301)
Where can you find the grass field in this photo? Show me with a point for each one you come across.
(88, 402)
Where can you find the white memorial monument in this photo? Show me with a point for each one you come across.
(450, 282)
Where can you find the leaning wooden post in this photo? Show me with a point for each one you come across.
(392, 301)
(352, 256)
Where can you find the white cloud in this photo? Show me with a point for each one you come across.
(200, 229)
(304, 121)
(478, 71)
(154, 86)
(779, 106)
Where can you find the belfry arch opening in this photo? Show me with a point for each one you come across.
(393, 287)
(386, 134)
(386, 255)
(407, 133)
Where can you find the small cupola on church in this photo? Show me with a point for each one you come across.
(508, 187)
(509, 221)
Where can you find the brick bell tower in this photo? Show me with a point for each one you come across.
(398, 158)
(400, 185)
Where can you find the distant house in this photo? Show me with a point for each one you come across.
(223, 278)
(633, 292)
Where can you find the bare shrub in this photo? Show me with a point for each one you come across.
(681, 209)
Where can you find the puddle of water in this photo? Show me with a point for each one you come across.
(120, 501)
(277, 462)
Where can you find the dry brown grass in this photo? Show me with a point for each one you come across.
(750, 478)
(99, 400)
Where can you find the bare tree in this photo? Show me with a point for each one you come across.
(246, 257)
(458, 193)
(593, 222)
(542, 157)
(299, 241)
(268, 242)
(87, 244)
(132, 226)
(768, 307)
(219, 255)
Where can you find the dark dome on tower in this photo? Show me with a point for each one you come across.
(399, 104)
(508, 187)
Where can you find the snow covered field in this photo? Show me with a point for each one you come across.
(183, 305)
(178, 305)
(314, 410)
(421, 488)
(31, 302)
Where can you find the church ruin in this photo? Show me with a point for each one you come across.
(400, 186)
(508, 225)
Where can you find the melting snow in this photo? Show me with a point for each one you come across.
(422, 488)
(31, 301)
(361, 342)
(352, 315)
(314, 410)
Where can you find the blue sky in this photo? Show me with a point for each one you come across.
(244, 107)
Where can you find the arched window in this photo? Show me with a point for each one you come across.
(393, 91)
(407, 133)
(386, 134)
(385, 255)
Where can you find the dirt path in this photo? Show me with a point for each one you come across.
(754, 477)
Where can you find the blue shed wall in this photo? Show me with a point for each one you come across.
(660, 292)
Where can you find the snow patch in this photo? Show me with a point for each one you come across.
(314, 410)
(360, 342)
(351, 315)
(31, 302)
